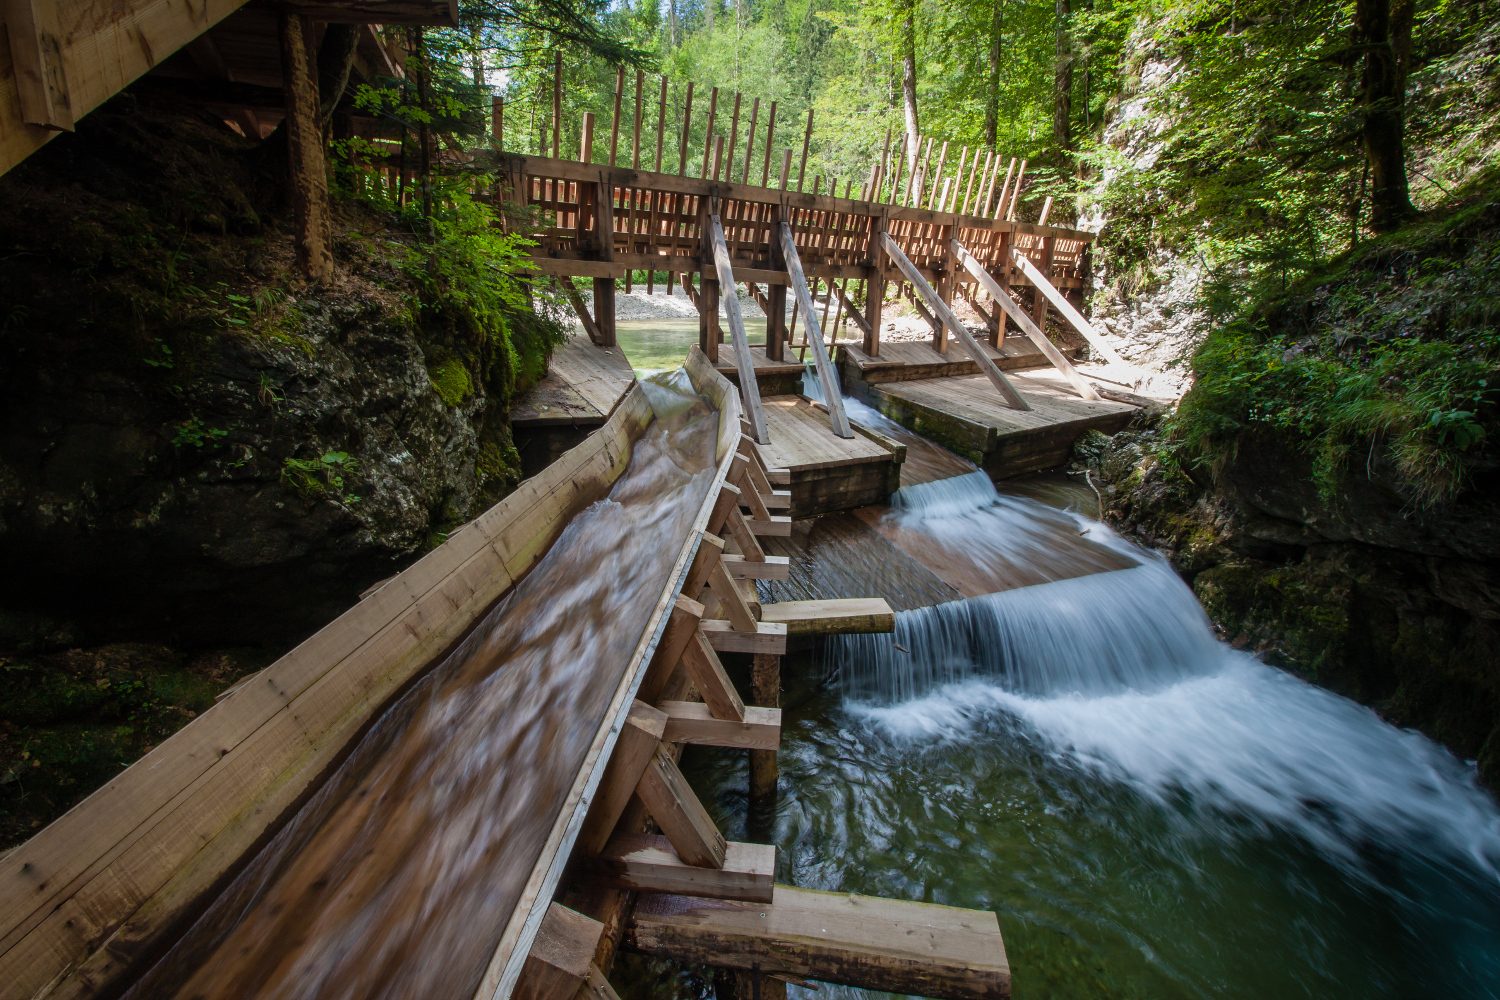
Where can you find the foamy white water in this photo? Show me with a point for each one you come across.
(1119, 674)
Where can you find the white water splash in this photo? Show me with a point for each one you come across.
(1119, 673)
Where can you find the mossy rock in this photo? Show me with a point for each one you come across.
(451, 381)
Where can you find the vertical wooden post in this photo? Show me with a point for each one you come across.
(687, 122)
(765, 691)
(765, 167)
(709, 333)
(309, 173)
(708, 133)
(635, 143)
(750, 142)
(556, 104)
(497, 122)
(1002, 244)
(806, 141)
(614, 123)
(604, 241)
(1039, 299)
(875, 284)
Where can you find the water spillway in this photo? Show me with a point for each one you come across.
(396, 878)
(387, 810)
(1151, 812)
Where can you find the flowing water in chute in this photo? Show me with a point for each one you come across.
(398, 877)
(1151, 812)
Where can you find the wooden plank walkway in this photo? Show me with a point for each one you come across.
(827, 472)
(916, 359)
(583, 385)
(966, 414)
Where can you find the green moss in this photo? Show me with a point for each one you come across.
(450, 379)
(1388, 353)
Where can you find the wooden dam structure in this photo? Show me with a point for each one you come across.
(632, 859)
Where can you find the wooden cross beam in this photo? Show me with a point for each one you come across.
(1016, 313)
(940, 309)
(827, 377)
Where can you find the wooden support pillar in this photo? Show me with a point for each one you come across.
(1002, 254)
(744, 362)
(827, 377)
(309, 172)
(875, 287)
(36, 44)
(604, 242)
(765, 692)
(776, 332)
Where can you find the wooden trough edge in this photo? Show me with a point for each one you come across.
(92, 896)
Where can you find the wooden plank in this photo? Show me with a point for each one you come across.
(641, 734)
(769, 568)
(692, 722)
(675, 807)
(1016, 313)
(682, 625)
(710, 550)
(830, 617)
(775, 526)
(827, 375)
(732, 603)
(1062, 305)
(40, 72)
(561, 956)
(702, 666)
(767, 638)
(647, 863)
(744, 364)
(938, 306)
(879, 944)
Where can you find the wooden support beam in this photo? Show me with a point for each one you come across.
(710, 553)
(879, 944)
(637, 744)
(675, 807)
(775, 526)
(731, 602)
(767, 638)
(561, 957)
(682, 625)
(597, 987)
(769, 568)
(36, 51)
(581, 310)
(1062, 305)
(986, 363)
(744, 363)
(647, 863)
(831, 617)
(692, 722)
(1002, 298)
(702, 666)
(827, 377)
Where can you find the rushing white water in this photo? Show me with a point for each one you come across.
(1118, 673)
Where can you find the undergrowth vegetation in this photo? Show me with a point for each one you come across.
(1391, 352)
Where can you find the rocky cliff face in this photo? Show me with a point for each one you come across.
(195, 447)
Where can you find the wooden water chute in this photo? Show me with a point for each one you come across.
(90, 898)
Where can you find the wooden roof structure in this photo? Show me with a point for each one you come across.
(59, 61)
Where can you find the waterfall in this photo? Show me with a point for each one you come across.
(1120, 674)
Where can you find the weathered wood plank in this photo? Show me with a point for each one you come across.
(827, 377)
(1061, 303)
(749, 391)
(647, 863)
(767, 638)
(769, 568)
(693, 722)
(561, 957)
(701, 663)
(831, 617)
(675, 807)
(879, 944)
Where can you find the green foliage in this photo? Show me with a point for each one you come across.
(324, 476)
(1391, 354)
(194, 433)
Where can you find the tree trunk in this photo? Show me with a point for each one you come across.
(308, 169)
(1383, 30)
(1062, 82)
(992, 96)
(708, 13)
(909, 82)
(335, 62)
(477, 55)
(672, 24)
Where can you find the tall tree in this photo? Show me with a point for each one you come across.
(1062, 80)
(1382, 29)
(908, 12)
(992, 89)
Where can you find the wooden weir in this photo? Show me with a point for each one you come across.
(96, 896)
